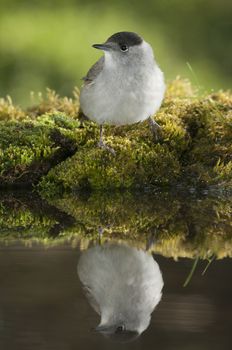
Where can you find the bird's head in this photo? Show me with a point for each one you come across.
(125, 48)
(125, 327)
(117, 332)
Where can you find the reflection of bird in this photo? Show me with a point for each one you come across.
(123, 285)
(124, 86)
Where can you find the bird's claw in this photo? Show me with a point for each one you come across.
(103, 145)
(155, 129)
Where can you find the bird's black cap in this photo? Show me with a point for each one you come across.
(127, 38)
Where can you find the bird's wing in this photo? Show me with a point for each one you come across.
(93, 302)
(94, 71)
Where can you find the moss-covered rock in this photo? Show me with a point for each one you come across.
(60, 152)
(209, 123)
(29, 148)
(195, 148)
(134, 166)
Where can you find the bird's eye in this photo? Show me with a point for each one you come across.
(124, 48)
(120, 329)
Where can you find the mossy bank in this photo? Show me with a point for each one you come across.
(51, 147)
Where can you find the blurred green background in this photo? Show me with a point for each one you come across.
(48, 43)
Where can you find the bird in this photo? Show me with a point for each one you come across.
(125, 86)
(123, 285)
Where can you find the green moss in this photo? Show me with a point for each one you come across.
(209, 123)
(53, 103)
(25, 216)
(133, 166)
(60, 150)
(179, 225)
(19, 220)
(9, 111)
(29, 148)
(195, 148)
(50, 103)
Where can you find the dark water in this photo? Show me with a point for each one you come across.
(42, 304)
(50, 250)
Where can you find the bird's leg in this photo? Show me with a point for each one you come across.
(102, 144)
(100, 234)
(151, 241)
(155, 128)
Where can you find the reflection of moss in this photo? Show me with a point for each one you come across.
(195, 145)
(179, 226)
(120, 215)
(17, 220)
(26, 216)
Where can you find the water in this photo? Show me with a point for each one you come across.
(42, 301)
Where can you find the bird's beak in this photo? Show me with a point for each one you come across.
(104, 47)
(103, 329)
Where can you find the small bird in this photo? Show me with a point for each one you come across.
(123, 284)
(124, 86)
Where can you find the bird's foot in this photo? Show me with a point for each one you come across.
(150, 241)
(103, 145)
(100, 234)
(155, 129)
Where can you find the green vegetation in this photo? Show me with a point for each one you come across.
(50, 148)
(55, 50)
(29, 148)
(19, 220)
(174, 225)
(33, 141)
(195, 148)
(24, 216)
(57, 150)
(179, 225)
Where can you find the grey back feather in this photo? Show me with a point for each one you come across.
(94, 71)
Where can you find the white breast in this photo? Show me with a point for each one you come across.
(123, 94)
(123, 281)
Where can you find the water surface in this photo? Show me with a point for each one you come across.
(42, 301)
(42, 304)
